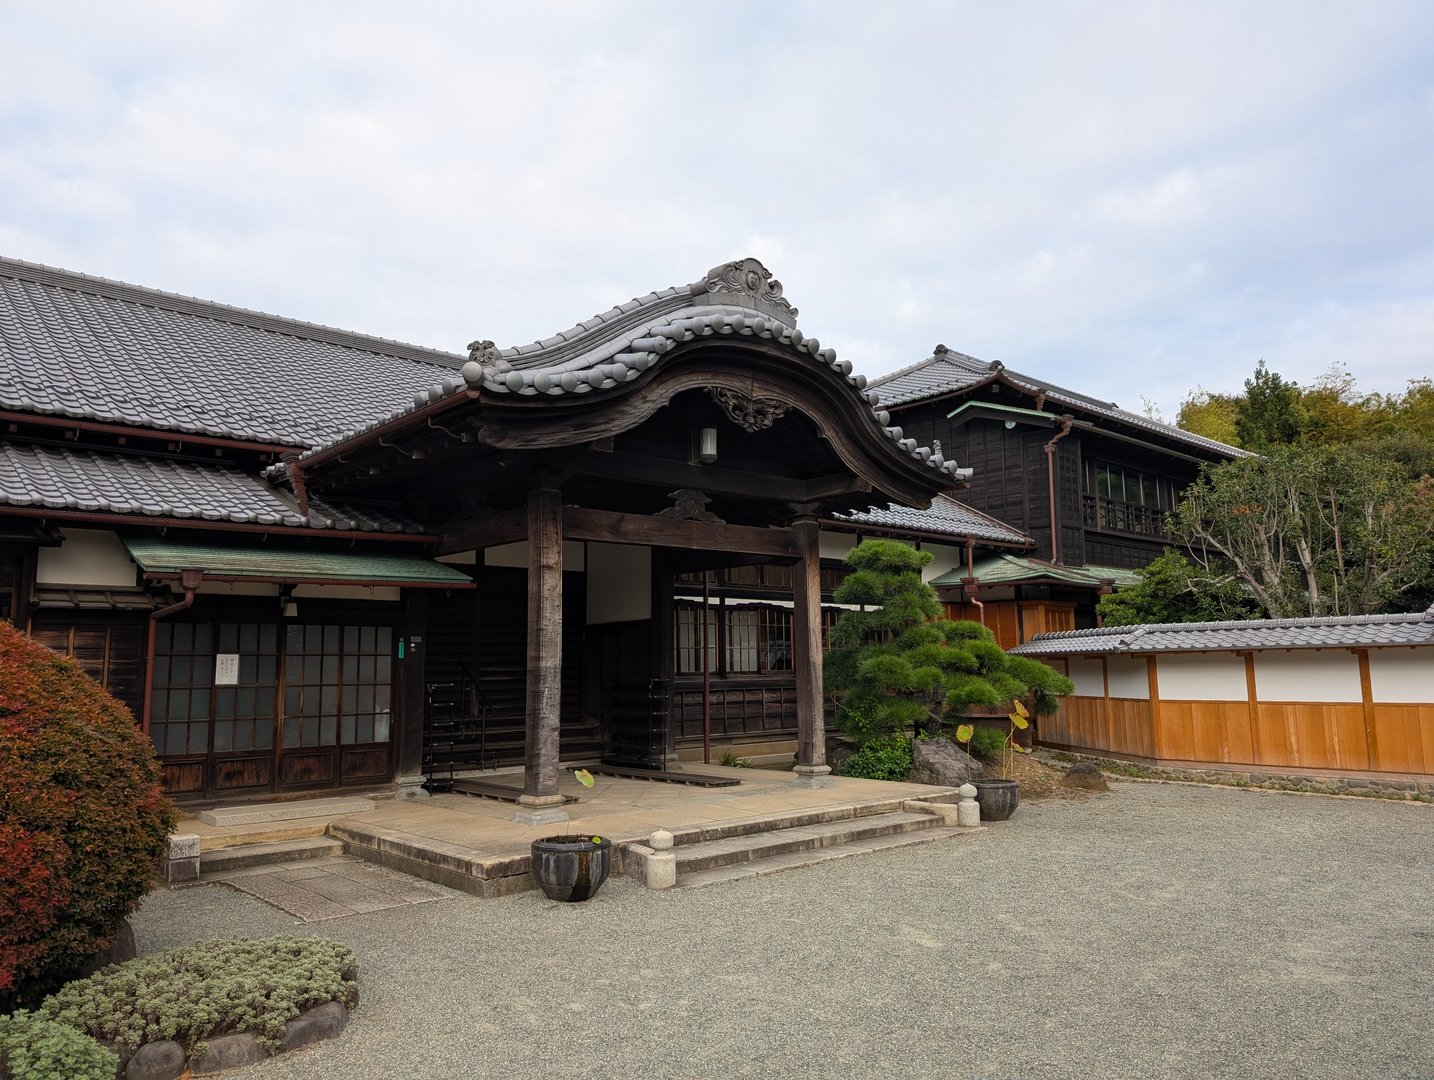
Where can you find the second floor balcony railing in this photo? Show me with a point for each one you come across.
(1111, 515)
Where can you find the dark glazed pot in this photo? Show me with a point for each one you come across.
(571, 867)
(998, 798)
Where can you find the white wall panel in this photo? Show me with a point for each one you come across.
(87, 557)
(1128, 677)
(619, 583)
(517, 555)
(1307, 675)
(1203, 677)
(1402, 675)
(1088, 676)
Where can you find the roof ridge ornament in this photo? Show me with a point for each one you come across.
(752, 283)
(488, 356)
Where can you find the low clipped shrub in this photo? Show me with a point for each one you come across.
(213, 988)
(885, 758)
(83, 822)
(33, 1048)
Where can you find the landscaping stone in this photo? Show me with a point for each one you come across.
(229, 1052)
(156, 1061)
(1085, 776)
(182, 859)
(943, 763)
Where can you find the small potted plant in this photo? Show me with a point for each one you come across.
(999, 795)
(571, 867)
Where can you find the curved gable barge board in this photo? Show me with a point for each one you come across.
(753, 369)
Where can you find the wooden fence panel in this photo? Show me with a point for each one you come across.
(1312, 735)
(1404, 738)
(1205, 731)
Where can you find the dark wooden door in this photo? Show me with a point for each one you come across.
(630, 707)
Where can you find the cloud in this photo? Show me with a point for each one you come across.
(1128, 200)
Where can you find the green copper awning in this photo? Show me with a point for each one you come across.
(1016, 570)
(160, 559)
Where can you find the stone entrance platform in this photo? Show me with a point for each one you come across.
(472, 844)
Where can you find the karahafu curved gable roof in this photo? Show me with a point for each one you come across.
(738, 299)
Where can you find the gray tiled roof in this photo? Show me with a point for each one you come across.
(738, 299)
(82, 480)
(948, 371)
(947, 517)
(1347, 631)
(92, 349)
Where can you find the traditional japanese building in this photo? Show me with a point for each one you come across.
(1091, 483)
(308, 558)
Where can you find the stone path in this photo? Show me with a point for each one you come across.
(330, 888)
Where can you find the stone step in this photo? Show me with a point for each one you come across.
(254, 813)
(236, 858)
(794, 860)
(754, 847)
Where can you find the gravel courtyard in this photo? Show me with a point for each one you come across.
(1159, 930)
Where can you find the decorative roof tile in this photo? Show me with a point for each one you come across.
(81, 480)
(946, 517)
(87, 348)
(1329, 632)
(738, 299)
(948, 371)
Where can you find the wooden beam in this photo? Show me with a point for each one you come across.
(541, 801)
(491, 530)
(811, 767)
(614, 528)
(665, 472)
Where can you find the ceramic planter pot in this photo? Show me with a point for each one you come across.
(998, 799)
(571, 868)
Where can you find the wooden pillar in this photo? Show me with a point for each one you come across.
(407, 728)
(540, 802)
(811, 769)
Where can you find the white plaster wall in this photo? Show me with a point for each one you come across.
(945, 557)
(517, 555)
(1307, 675)
(1203, 677)
(459, 558)
(1128, 677)
(387, 593)
(619, 583)
(87, 557)
(1088, 676)
(1402, 675)
(835, 545)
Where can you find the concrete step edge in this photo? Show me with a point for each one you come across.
(234, 858)
(796, 860)
(729, 851)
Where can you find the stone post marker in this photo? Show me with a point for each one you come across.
(182, 859)
(968, 810)
(662, 863)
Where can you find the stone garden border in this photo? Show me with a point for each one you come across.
(165, 1060)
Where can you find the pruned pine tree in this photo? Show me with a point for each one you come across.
(897, 664)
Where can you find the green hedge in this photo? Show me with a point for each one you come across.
(213, 988)
(884, 758)
(33, 1048)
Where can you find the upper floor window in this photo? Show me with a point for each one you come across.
(1121, 499)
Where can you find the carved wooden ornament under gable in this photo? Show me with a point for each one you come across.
(749, 414)
(689, 504)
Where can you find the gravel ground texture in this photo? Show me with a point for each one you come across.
(1160, 930)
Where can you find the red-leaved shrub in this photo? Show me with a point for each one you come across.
(83, 823)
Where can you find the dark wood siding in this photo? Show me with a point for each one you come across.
(108, 645)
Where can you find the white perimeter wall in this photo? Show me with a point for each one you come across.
(1307, 675)
(1203, 677)
(1402, 675)
(619, 583)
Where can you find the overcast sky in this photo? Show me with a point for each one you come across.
(1126, 198)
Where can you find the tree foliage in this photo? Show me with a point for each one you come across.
(897, 664)
(1314, 530)
(1174, 589)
